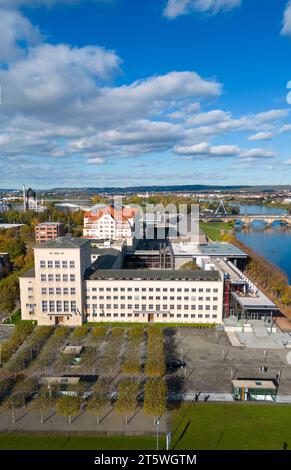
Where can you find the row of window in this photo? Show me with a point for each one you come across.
(58, 306)
(152, 289)
(156, 307)
(163, 315)
(57, 264)
(58, 291)
(151, 297)
(57, 277)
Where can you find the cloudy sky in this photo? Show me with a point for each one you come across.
(127, 92)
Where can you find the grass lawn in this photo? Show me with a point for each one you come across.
(231, 427)
(59, 442)
(213, 229)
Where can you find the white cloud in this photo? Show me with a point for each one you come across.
(258, 153)
(286, 28)
(175, 8)
(206, 150)
(15, 27)
(260, 136)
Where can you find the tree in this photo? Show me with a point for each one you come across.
(12, 403)
(68, 406)
(127, 397)
(155, 397)
(25, 388)
(41, 404)
(96, 404)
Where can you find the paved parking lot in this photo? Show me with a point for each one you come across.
(212, 362)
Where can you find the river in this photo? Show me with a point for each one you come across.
(272, 243)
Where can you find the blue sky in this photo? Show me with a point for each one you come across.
(125, 92)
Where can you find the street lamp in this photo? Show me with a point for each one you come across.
(157, 422)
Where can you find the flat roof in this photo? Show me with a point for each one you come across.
(251, 301)
(61, 380)
(72, 349)
(49, 224)
(208, 249)
(7, 226)
(64, 242)
(29, 273)
(154, 274)
(255, 384)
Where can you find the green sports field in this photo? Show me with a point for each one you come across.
(232, 427)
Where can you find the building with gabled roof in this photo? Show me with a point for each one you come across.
(110, 223)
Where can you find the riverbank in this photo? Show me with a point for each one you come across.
(268, 277)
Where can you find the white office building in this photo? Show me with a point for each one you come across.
(65, 288)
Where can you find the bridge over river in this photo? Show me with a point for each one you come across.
(246, 220)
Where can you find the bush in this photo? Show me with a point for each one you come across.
(99, 331)
(117, 332)
(21, 332)
(62, 331)
(80, 331)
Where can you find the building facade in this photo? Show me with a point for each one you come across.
(66, 288)
(48, 231)
(109, 223)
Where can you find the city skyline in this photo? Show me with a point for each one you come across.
(107, 93)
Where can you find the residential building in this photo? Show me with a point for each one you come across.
(48, 231)
(109, 223)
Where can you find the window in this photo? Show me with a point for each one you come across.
(66, 306)
(50, 264)
(44, 306)
(193, 307)
(50, 277)
(51, 291)
(73, 291)
(57, 264)
(42, 264)
(72, 277)
(43, 277)
(64, 264)
(65, 278)
(73, 306)
(51, 306)
(43, 291)
(72, 264)
(58, 291)
(59, 306)
(58, 278)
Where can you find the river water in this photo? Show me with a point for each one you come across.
(272, 243)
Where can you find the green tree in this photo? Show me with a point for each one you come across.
(96, 405)
(127, 392)
(155, 397)
(41, 403)
(68, 406)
